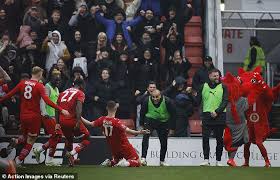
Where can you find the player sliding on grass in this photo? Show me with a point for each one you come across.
(123, 153)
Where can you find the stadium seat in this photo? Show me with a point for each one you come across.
(192, 71)
(194, 52)
(195, 115)
(193, 40)
(195, 61)
(189, 81)
(195, 21)
(193, 31)
(195, 127)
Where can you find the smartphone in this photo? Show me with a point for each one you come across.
(49, 34)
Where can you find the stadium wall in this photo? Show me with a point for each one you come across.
(181, 152)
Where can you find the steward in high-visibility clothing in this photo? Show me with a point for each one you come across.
(255, 56)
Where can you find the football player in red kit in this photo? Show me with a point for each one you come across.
(31, 91)
(122, 151)
(72, 99)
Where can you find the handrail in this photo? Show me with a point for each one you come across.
(255, 12)
(251, 28)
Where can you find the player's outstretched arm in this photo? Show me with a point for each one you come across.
(133, 132)
(50, 103)
(86, 122)
(11, 93)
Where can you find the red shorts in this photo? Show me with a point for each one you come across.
(67, 127)
(128, 153)
(30, 125)
(49, 126)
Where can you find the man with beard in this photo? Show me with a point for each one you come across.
(213, 97)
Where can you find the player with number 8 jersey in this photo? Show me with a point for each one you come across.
(30, 92)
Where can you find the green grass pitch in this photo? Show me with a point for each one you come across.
(160, 173)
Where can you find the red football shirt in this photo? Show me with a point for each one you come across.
(115, 133)
(68, 99)
(30, 92)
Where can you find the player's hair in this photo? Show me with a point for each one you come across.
(36, 70)
(79, 82)
(111, 105)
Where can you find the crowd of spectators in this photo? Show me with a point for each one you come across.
(113, 44)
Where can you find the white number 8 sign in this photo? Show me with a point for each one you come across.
(27, 92)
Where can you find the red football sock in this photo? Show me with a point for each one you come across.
(46, 145)
(25, 151)
(53, 141)
(114, 162)
(134, 163)
(82, 146)
(68, 145)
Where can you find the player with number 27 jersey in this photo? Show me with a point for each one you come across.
(72, 100)
(67, 100)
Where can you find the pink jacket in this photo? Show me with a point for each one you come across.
(24, 38)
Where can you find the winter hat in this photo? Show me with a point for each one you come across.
(207, 58)
(84, 4)
(180, 80)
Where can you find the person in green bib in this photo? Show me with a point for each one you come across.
(157, 113)
(49, 122)
(255, 56)
(213, 97)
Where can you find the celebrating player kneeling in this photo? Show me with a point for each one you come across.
(123, 153)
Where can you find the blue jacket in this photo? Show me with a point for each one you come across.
(110, 26)
(153, 5)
